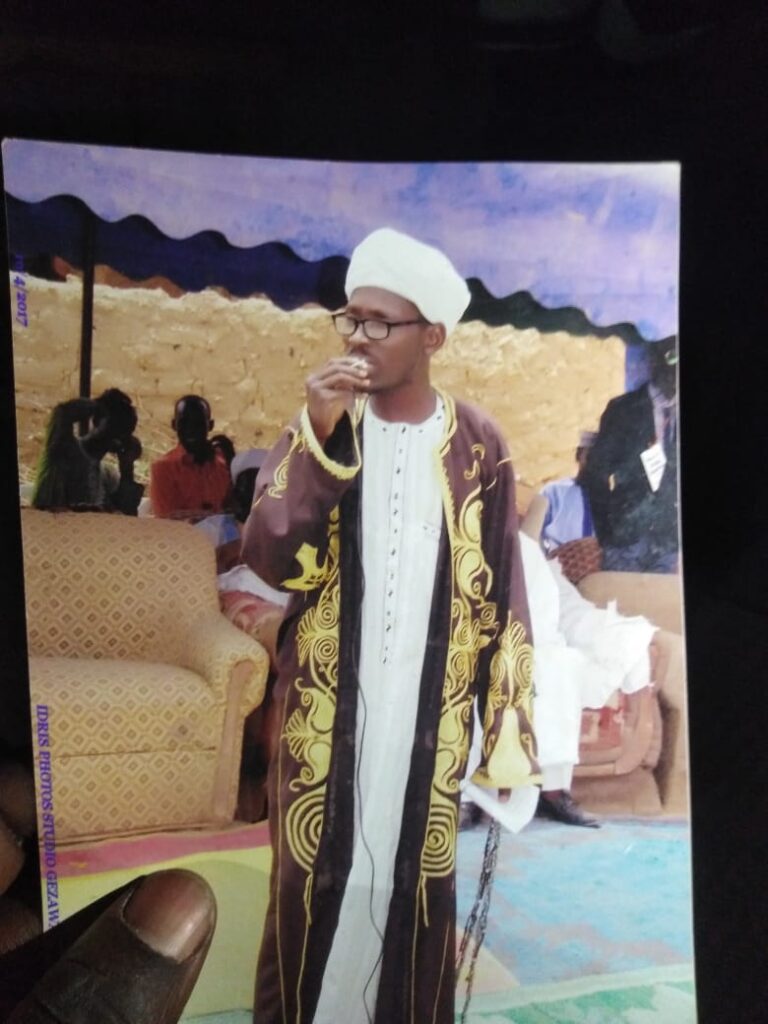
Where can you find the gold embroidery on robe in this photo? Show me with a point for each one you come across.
(473, 626)
(307, 733)
(280, 481)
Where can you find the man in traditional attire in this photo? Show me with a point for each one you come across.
(388, 509)
(583, 655)
(560, 512)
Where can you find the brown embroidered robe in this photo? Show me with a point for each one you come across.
(302, 535)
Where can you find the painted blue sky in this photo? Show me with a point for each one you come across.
(603, 237)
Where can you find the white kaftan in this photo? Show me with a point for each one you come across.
(402, 518)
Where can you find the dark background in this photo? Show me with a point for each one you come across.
(591, 80)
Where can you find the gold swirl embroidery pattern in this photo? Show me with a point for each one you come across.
(478, 450)
(511, 673)
(303, 825)
(308, 737)
(280, 481)
(513, 660)
(473, 626)
(438, 853)
(307, 733)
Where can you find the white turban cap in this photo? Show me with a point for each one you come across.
(252, 458)
(420, 273)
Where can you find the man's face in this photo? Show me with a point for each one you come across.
(403, 357)
(192, 423)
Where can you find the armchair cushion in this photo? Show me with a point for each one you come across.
(117, 794)
(103, 706)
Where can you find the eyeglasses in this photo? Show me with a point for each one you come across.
(374, 330)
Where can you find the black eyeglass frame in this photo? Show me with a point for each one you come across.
(389, 324)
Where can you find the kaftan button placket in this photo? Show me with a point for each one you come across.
(396, 506)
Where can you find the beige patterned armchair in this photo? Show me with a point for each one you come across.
(144, 685)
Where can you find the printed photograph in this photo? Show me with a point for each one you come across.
(352, 573)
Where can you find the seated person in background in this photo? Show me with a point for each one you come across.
(192, 480)
(561, 512)
(225, 447)
(227, 541)
(631, 477)
(244, 469)
(71, 474)
(581, 656)
(234, 574)
(256, 608)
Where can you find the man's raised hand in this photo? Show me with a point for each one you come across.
(331, 392)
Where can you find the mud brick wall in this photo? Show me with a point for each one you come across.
(250, 359)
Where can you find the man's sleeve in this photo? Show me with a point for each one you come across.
(506, 664)
(614, 642)
(297, 491)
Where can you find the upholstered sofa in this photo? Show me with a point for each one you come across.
(633, 753)
(139, 685)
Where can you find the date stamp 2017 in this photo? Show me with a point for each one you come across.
(19, 283)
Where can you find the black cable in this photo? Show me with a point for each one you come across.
(477, 922)
(368, 850)
(359, 750)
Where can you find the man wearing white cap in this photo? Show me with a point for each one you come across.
(388, 510)
(560, 512)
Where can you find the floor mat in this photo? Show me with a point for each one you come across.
(586, 926)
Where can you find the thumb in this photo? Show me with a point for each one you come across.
(137, 963)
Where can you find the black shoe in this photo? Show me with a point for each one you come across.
(469, 815)
(564, 808)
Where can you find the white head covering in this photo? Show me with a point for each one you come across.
(250, 459)
(420, 273)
